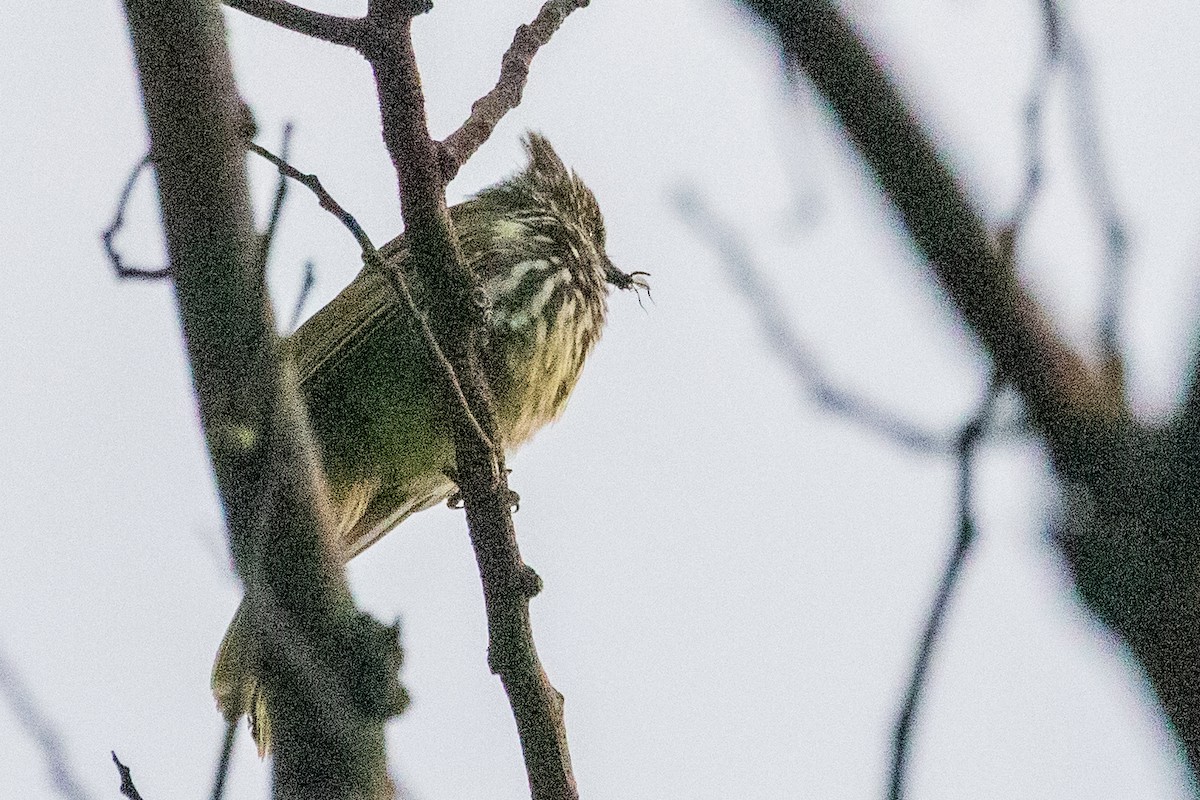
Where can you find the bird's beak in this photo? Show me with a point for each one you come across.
(626, 280)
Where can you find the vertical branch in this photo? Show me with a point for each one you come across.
(456, 316)
(968, 441)
(267, 475)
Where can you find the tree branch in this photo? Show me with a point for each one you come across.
(456, 317)
(487, 111)
(109, 237)
(127, 788)
(801, 364)
(968, 442)
(1067, 400)
(327, 27)
(314, 644)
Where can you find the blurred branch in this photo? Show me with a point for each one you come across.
(1033, 137)
(1093, 170)
(1063, 50)
(41, 730)
(127, 788)
(118, 222)
(307, 283)
(269, 481)
(267, 238)
(1066, 398)
(968, 440)
(488, 110)
(735, 259)
(1134, 554)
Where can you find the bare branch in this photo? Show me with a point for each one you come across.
(391, 271)
(1067, 399)
(127, 787)
(1093, 170)
(41, 730)
(267, 238)
(969, 438)
(307, 284)
(1035, 107)
(225, 760)
(255, 425)
(747, 278)
(456, 318)
(118, 222)
(327, 27)
(323, 197)
(487, 111)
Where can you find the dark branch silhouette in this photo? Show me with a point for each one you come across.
(327, 27)
(307, 284)
(109, 237)
(1067, 401)
(127, 787)
(488, 110)
(224, 760)
(968, 440)
(455, 320)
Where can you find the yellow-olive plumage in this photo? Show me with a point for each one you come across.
(535, 243)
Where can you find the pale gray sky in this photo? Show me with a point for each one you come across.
(734, 580)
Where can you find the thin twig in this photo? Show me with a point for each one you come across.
(1093, 170)
(1063, 50)
(1035, 107)
(127, 787)
(400, 286)
(487, 111)
(226, 758)
(394, 276)
(323, 197)
(457, 315)
(968, 440)
(118, 222)
(306, 286)
(327, 27)
(735, 259)
(41, 730)
(267, 238)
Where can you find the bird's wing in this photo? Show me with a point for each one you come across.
(333, 332)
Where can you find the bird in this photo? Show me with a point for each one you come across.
(536, 244)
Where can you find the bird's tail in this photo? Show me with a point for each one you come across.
(235, 684)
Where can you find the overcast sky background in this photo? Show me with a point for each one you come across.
(734, 579)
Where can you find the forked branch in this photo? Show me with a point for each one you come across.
(456, 316)
(1069, 402)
